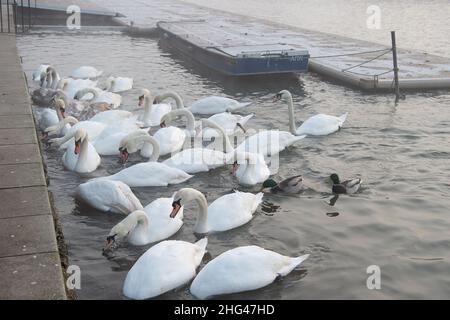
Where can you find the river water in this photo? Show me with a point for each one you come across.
(399, 220)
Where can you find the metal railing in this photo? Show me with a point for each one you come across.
(15, 16)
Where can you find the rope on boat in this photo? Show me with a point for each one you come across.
(367, 61)
(351, 54)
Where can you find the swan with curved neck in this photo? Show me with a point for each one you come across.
(145, 226)
(318, 125)
(152, 112)
(81, 157)
(199, 159)
(137, 220)
(170, 94)
(250, 168)
(49, 117)
(171, 139)
(44, 94)
(145, 174)
(54, 77)
(134, 141)
(225, 213)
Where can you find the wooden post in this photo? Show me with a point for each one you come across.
(394, 60)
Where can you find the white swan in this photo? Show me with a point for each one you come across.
(81, 156)
(215, 104)
(99, 99)
(265, 142)
(49, 80)
(72, 86)
(169, 94)
(86, 72)
(152, 112)
(242, 269)
(118, 84)
(227, 212)
(164, 267)
(231, 123)
(48, 117)
(250, 168)
(41, 70)
(146, 174)
(146, 226)
(171, 139)
(112, 196)
(318, 125)
(197, 159)
(98, 96)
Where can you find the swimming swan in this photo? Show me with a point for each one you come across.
(216, 104)
(146, 226)
(164, 267)
(146, 174)
(86, 72)
(118, 84)
(109, 196)
(152, 112)
(81, 156)
(227, 212)
(242, 269)
(318, 125)
(171, 139)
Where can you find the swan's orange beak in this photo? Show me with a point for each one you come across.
(141, 101)
(176, 207)
(77, 147)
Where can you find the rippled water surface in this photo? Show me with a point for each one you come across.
(399, 220)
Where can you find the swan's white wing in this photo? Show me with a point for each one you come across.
(75, 85)
(107, 195)
(242, 269)
(164, 267)
(232, 210)
(122, 84)
(149, 174)
(321, 124)
(170, 139)
(196, 160)
(214, 104)
(86, 72)
(112, 116)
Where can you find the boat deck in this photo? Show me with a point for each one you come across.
(225, 41)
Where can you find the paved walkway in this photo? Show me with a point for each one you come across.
(30, 266)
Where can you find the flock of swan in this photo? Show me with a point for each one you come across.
(83, 118)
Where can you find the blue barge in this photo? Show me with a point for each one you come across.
(230, 52)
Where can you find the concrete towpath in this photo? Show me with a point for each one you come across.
(30, 266)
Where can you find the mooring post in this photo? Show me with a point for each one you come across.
(394, 60)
